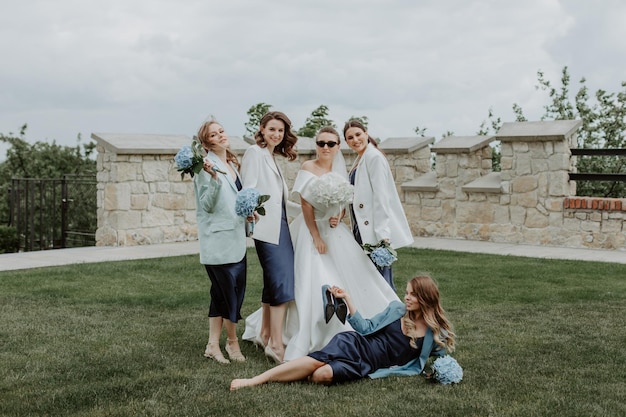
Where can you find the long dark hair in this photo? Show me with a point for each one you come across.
(358, 124)
(286, 146)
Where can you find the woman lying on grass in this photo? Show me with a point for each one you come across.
(397, 341)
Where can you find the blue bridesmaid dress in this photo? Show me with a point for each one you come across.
(228, 287)
(277, 262)
(353, 356)
(385, 271)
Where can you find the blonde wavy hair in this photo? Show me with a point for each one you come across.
(203, 137)
(426, 291)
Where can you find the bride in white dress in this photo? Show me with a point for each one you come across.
(325, 254)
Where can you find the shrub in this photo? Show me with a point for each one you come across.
(9, 241)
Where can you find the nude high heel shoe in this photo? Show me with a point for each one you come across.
(269, 352)
(213, 351)
(234, 352)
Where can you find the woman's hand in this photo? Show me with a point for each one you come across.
(208, 167)
(254, 218)
(333, 221)
(319, 244)
(339, 292)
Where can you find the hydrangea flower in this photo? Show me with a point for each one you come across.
(332, 189)
(382, 257)
(189, 159)
(447, 370)
(246, 202)
(382, 254)
(184, 157)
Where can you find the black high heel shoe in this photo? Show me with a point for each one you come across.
(341, 309)
(329, 306)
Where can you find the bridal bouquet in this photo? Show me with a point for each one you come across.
(247, 202)
(332, 189)
(445, 370)
(189, 159)
(382, 254)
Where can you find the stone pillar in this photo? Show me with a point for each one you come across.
(459, 161)
(535, 166)
(141, 196)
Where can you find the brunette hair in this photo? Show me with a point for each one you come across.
(286, 146)
(328, 129)
(358, 124)
(426, 291)
(203, 137)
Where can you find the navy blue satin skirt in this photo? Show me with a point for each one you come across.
(385, 271)
(277, 263)
(228, 287)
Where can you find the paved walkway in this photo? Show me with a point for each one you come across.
(56, 257)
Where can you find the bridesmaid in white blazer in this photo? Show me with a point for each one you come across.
(376, 212)
(222, 239)
(271, 234)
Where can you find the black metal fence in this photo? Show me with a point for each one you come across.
(54, 213)
(600, 172)
(594, 176)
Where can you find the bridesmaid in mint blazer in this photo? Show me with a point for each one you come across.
(222, 239)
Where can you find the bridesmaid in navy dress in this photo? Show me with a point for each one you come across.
(271, 234)
(222, 239)
(397, 341)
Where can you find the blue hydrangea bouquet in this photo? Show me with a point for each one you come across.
(248, 201)
(189, 159)
(445, 370)
(382, 254)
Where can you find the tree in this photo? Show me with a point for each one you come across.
(491, 126)
(255, 114)
(603, 127)
(317, 120)
(420, 131)
(43, 159)
(47, 161)
(363, 119)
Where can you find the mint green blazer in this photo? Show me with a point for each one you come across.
(221, 232)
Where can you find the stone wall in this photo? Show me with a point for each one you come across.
(142, 199)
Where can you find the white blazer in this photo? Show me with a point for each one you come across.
(377, 207)
(260, 171)
(221, 232)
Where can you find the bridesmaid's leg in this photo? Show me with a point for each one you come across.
(277, 322)
(294, 370)
(265, 324)
(213, 350)
(232, 343)
(322, 375)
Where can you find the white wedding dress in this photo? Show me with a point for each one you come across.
(344, 265)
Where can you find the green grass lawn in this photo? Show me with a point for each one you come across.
(536, 337)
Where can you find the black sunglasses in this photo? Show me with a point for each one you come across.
(321, 144)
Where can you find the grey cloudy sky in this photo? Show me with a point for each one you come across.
(162, 66)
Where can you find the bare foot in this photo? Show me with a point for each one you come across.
(235, 384)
